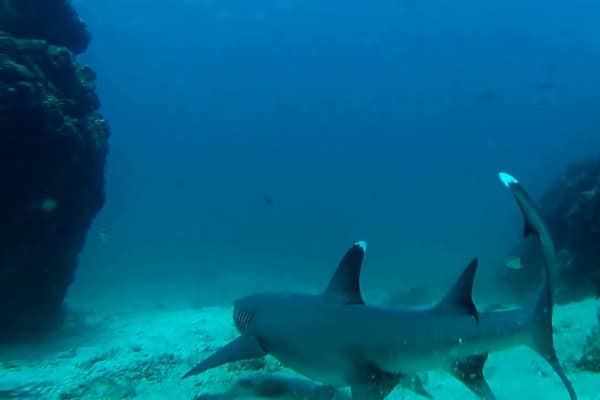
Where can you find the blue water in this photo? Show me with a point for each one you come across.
(380, 121)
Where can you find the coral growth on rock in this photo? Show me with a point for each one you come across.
(53, 146)
(55, 21)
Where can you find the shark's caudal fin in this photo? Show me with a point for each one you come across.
(242, 348)
(534, 224)
(541, 338)
(459, 298)
(344, 286)
(542, 341)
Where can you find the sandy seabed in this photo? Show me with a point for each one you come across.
(143, 356)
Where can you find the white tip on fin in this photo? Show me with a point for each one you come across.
(507, 179)
(362, 244)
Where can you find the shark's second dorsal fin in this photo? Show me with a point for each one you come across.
(460, 297)
(344, 286)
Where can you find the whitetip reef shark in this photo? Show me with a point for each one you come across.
(337, 339)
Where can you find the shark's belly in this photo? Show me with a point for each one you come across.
(333, 344)
(332, 347)
(325, 364)
(340, 362)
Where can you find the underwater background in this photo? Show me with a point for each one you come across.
(250, 144)
(254, 141)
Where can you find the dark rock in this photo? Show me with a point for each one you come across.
(571, 208)
(53, 147)
(55, 21)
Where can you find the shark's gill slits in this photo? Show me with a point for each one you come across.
(242, 319)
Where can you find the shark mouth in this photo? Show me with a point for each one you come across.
(242, 320)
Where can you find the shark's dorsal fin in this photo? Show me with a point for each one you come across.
(344, 286)
(460, 297)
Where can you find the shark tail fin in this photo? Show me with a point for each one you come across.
(541, 340)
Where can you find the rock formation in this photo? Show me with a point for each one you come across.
(55, 21)
(53, 147)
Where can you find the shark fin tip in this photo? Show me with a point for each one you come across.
(362, 244)
(507, 179)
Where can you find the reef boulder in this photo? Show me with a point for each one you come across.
(55, 21)
(53, 148)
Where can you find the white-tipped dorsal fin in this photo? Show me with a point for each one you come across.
(344, 286)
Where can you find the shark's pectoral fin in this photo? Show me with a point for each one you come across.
(414, 383)
(344, 286)
(371, 383)
(470, 372)
(242, 348)
(460, 297)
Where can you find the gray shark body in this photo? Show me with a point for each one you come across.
(337, 339)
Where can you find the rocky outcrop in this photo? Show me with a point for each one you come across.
(571, 207)
(55, 21)
(53, 146)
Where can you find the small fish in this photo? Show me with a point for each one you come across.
(513, 262)
(487, 96)
(545, 86)
(103, 236)
(47, 205)
(268, 200)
